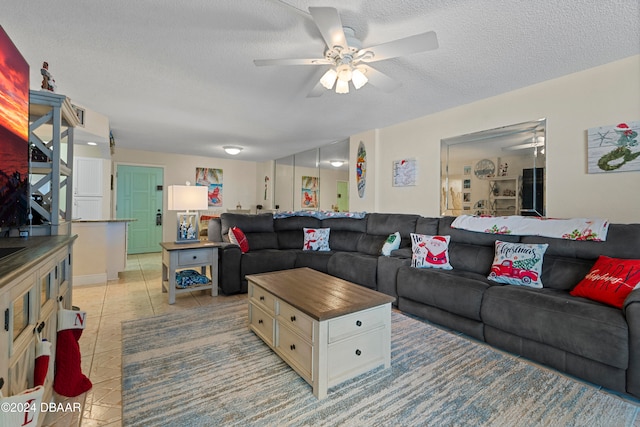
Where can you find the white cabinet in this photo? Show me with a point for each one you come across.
(30, 284)
(88, 188)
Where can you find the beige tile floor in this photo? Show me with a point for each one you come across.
(137, 293)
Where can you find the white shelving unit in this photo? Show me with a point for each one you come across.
(504, 195)
(51, 122)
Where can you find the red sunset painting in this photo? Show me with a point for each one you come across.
(14, 130)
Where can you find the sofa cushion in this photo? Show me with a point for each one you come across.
(345, 233)
(430, 251)
(457, 292)
(313, 259)
(316, 239)
(262, 223)
(427, 225)
(262, 261)
(582, 327)
(610, 281)
(473, 258)
(518, 264)
(563, 273)
(289, 230)
(355, 267)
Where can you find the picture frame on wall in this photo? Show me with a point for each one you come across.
(614, 148)
(212, 179)
(466, 170)
(404, 172)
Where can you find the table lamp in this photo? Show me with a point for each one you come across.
(187, 198)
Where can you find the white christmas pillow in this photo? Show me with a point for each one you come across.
(518, 264)
(316, 239)
(391, 244)
(430, 251)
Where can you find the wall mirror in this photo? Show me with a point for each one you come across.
(495, 172)
(316, 179)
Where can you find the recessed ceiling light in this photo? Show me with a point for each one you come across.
(92, 143)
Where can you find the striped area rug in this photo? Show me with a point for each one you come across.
(204, 367)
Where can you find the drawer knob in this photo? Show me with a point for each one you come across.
(358, 352)
(260, 321)
(292, 346)
(261, 298)
(195, 257)
(293, 318)
(358, 323)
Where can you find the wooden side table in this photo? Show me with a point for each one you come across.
(177, 256)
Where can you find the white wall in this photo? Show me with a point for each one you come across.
(605, 95)
(239, 177)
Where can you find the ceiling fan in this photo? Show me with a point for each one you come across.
(347, 59)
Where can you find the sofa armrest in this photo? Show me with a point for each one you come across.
(631, 311)
(229, 255)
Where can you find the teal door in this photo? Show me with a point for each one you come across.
(139, 196)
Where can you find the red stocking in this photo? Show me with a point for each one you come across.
(69, 380)
(41, 369)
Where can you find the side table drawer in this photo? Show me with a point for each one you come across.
(296, 351)
(261, 323)
(356, 323)
(356, 355)
(262, 297)
(195, 257)
(296, 320)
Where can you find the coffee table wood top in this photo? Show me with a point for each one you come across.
(317, 294)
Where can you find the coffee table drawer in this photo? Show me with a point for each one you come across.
(262, 297)
(296, 351)
(296, 320)
(195, 257)
(356, 323)
(262, 323)
(356, 355)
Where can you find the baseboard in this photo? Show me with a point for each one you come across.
(90, 279)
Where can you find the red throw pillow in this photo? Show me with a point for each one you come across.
(237, 236)
(609, 281)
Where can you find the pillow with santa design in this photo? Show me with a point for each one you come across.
(430, 251)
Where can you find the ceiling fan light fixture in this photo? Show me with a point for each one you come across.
(342, 86)
(344, 72)
(329, 78)
(358, 78)
(232, 149)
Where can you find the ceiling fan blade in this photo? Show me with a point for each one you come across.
(379, 79)
(401, 47)
(318, 90)
(293, 61)
(330, 26)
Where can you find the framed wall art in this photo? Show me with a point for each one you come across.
(212, 179)
(404, 172)
(613, 148)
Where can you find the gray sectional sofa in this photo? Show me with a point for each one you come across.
(586, 339)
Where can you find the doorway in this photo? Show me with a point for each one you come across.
(139, 197)
(343, 196)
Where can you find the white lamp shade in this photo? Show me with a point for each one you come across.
(329, 78)
(187, 197)
(358, 78)
(342, 86)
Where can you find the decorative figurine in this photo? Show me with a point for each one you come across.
(503, 169)
(48, 83)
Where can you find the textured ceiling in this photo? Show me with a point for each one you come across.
(178, 76)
